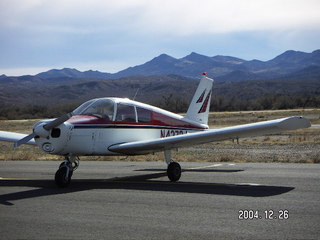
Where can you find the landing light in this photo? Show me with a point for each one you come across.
(47, 147)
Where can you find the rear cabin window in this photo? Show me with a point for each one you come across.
(125, 113)
(144, 115)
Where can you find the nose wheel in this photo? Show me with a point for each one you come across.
(65, 172)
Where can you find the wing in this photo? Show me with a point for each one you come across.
(14, 137)
(240, 131)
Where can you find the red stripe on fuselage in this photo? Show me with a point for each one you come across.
(158, 120)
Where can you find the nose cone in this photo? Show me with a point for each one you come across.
(39, 130)
(56, 139)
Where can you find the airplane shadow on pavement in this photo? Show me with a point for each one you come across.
(144, 182)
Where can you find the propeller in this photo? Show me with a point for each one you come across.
(24, 140)
(42, 130)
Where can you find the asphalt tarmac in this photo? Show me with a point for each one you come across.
(135, 200)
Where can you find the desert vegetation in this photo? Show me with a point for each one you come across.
(174, 103)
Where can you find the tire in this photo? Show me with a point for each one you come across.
(174, 171)
(63, 164)
(60, 177)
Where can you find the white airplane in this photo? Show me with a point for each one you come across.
(119, 126)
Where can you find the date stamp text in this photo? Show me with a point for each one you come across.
(249, 214)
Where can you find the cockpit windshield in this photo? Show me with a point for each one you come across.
(103, 108)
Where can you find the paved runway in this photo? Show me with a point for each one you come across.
(134, 200)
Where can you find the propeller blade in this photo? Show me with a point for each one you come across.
(54, 123)
(24, 140)
(57, 121)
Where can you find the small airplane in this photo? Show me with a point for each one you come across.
(119, 126)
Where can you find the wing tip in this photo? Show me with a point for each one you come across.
(295, 122)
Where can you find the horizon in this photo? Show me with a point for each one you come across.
(36, 71)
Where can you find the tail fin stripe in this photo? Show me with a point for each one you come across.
(201, 97)
(205, 104)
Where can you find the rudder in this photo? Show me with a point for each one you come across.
(198, 110)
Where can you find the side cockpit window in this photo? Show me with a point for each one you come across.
(144, 115)
(102, 108)
(125, 113)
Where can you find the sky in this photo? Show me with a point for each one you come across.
(111, 35)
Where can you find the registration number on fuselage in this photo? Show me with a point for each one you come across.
(171, 132)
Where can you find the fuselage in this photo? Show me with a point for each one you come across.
(101, 123)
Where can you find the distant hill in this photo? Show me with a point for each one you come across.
(222, 68)
(34, 90)
(73, 73)
(219, 67)
(23, 91)
(291, 79)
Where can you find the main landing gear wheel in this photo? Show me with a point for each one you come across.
(174, 171)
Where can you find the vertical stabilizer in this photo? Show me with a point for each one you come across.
(198, 110)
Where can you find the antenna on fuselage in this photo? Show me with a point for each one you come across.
(136, 94)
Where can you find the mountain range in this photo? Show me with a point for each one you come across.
(226, 68)
(222, 68)
(291, 75)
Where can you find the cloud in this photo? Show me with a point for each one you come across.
(164, 16)
(63, 32)
(216, 16)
